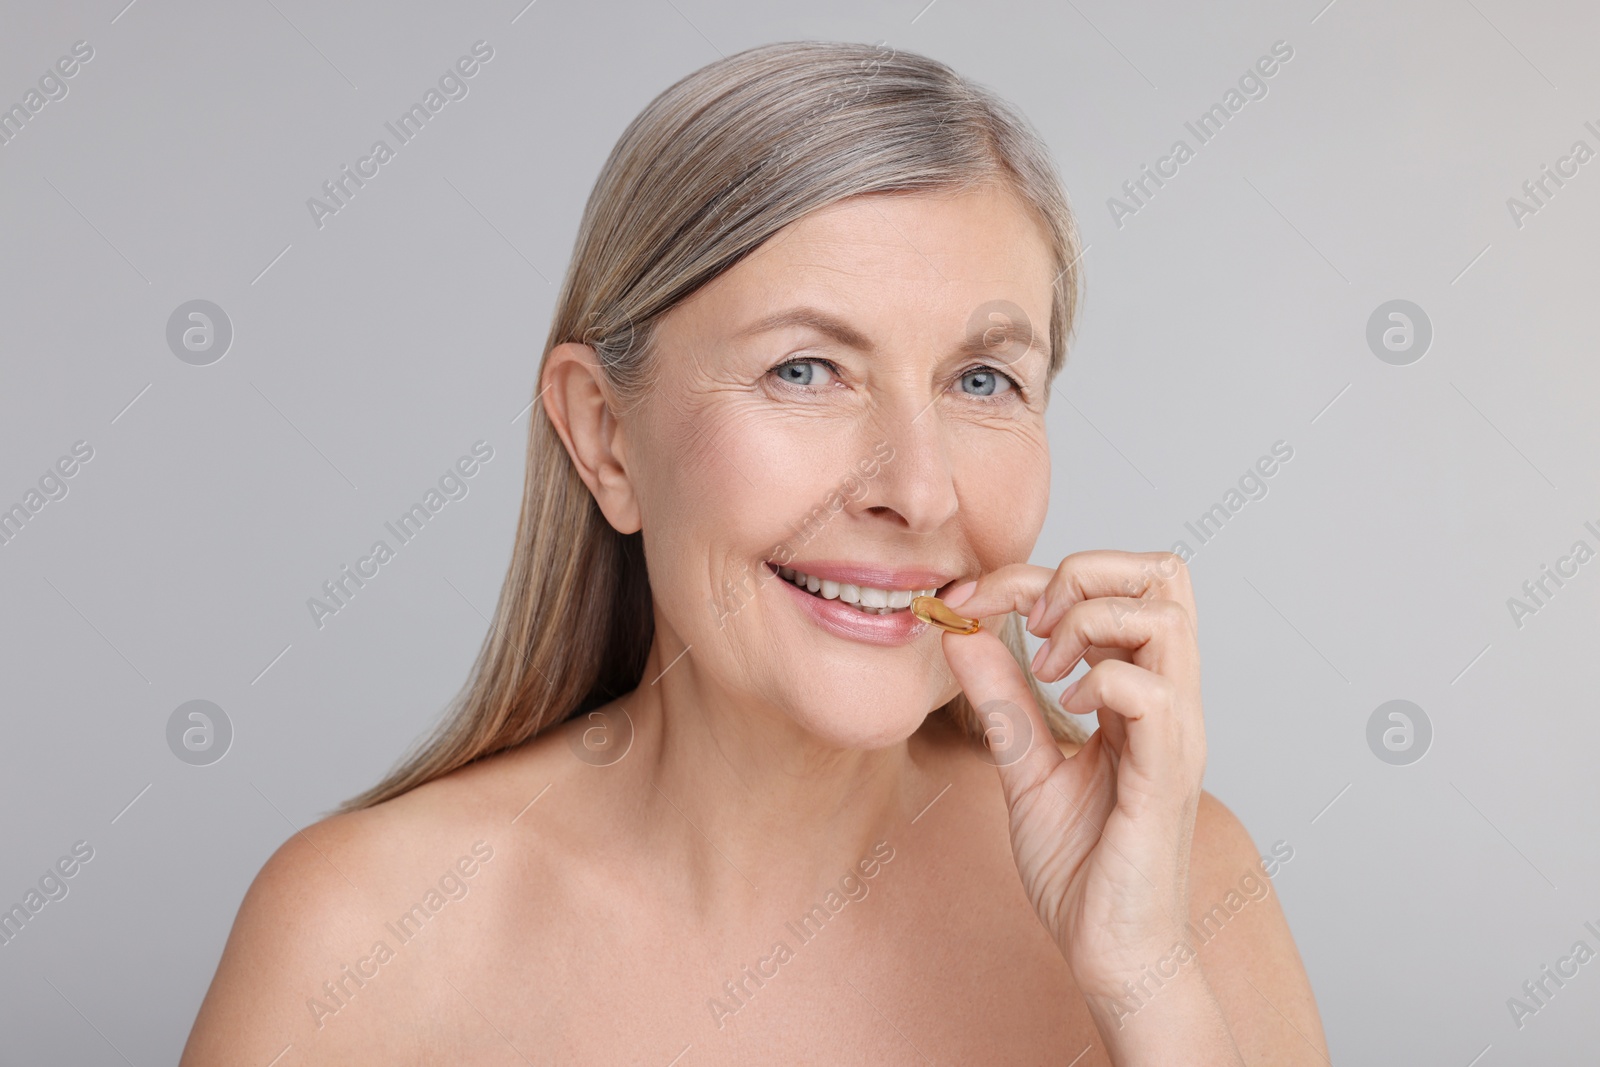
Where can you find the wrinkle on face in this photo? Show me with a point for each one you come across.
(728, 462)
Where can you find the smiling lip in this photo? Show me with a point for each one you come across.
(896, 628)
(879, 577)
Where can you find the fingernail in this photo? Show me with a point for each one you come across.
(958, 594)
(1066, 694)
(1038, 608)
(1038, 657)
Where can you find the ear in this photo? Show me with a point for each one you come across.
(577, 400)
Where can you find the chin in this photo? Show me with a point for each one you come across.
(858, 720)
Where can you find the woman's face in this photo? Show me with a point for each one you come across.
(847, 402)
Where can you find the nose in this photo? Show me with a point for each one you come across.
(915, 482)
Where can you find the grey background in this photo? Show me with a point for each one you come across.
(1229, 313)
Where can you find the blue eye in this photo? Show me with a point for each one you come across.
(803, 372)
(986, 381)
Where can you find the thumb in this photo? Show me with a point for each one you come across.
(1018, 740)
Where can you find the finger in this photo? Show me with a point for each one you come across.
(1158, 633)
(1129, 690)
(1013, 587)
(1021, 744)
(1133, 704)
(1095, 655)
(1104, 572)
(1091, 655)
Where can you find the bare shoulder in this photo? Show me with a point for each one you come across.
(1244, 942)
(305, 918)
(321, 954)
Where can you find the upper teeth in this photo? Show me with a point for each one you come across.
(865, 597)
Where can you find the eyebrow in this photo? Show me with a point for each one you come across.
(813, 318)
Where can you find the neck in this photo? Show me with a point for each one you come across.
(756, 805)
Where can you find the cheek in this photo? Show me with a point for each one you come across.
(684, 464)
(749, 475)
(1003, 481)
(725, 486)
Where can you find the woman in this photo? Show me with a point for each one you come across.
(741, 805)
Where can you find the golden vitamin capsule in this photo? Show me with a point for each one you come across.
(931, 609)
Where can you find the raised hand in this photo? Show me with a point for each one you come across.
(1101, 839)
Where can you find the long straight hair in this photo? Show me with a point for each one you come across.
(707, 172)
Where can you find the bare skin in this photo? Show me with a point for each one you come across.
(653, 907)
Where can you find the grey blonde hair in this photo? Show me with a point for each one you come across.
(707, 172)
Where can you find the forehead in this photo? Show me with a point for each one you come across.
(935, 258)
